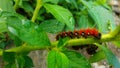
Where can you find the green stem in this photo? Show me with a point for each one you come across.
(1, 52)
(115, 32)
(81, 41)
(113, 36)
(16, 4)
(38, 6)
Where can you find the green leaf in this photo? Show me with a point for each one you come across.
(51, 1)
(101, 1)
(52, 26)
(27, 31)
(77, 60)
(16, 40)
(108, 20)
(101, 16)
(73, 2)
(28, 62)
(107, 7)
(20, 61)
(3, 26)
(5, 14)
(97, 57)
(62, 42)
(3, 19)
(9, 56)
(111, 58)
(85, 22)
(57, 59)
(51, 59)
(2, 41)
(26, 6)
(62, 60)
(6, 5)
(23, 62)
(10, 65)
(2, 45)
(61, 14)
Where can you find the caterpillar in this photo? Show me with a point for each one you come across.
(80, 33)
(84, 33)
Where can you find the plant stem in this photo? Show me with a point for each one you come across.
(38, 6)
(16, 4)
(1, 52)
(113, 36)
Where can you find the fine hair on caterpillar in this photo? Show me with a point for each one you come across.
(89, 32)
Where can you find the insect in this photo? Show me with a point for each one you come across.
(82, 33)
(89, 32)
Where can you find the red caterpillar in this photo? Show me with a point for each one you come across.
(85, 33)
(80, 33)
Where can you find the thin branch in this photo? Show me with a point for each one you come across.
(16, 4)
(112, 36)
(38, 6)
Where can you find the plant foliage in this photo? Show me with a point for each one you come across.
(25, 25)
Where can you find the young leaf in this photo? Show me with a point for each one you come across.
(52, 26)
(27, 31)
(61, 14)
(111, 58)
(77, 60)
(57, 59)
(97, 57)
